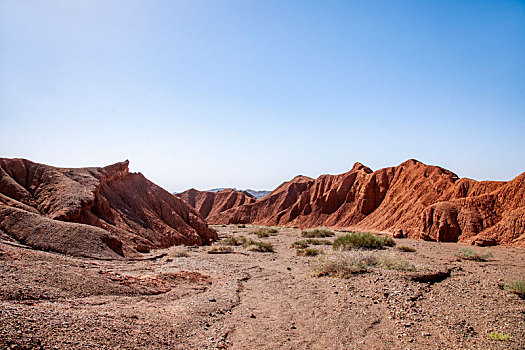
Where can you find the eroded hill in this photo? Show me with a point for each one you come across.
(424, 201)
(96, 212)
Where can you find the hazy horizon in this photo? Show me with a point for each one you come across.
(209, 94)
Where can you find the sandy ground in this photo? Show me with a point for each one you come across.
(252, 300)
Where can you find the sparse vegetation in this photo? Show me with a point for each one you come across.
(394, 262)
(470, 254)
(265, 232)
(365, 240)
(344, 264)
(248, 243)
(406, 248)
(498, 336)
(214, 249)
(177, 252)
(234, 241)
(313, 241)
(309, 252)
(305, 243)
(263, 247)
(317, 233)
(300, 244)
(516, 287)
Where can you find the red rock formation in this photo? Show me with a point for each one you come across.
(424, 201)
(269, 209)
(97, 212)
(211, 204)
(496, 217)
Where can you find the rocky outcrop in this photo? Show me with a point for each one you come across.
(270, 209)
(211, 204)
(97, 212)
(424, 201)
(496, 217)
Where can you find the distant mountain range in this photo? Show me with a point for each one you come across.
(255, 193)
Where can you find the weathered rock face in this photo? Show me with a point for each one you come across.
(424, 201)
(211, 204)
(97, 212)
(497, 217)
(269, 209)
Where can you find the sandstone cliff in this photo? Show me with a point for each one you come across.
(211, 204)
(424, 201)
(97, 212)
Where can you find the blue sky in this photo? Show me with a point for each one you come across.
(251, 93)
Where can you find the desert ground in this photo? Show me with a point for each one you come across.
(185, 298)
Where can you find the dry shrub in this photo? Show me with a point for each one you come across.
(177, 251)
(470, 254)
(309, 252)
(220, 249)
(265, 232)
(344, 264)
(366, 240)
(317, 233)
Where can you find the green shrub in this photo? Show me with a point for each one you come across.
(309, 252)
(363, 240)
(317, 233)
(406, 248)
(265, 232)
(498, 336)
(469, 254)
(517, 287)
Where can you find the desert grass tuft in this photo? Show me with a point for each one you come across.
(470, 254)
(263, 247)
(406, 248)
(498, 336)
(306, 242)
(177, 252)
(214, 249)
(265, 232)
(300, 244)
(248, 243)
(394, 262)
(366, 240)
(309, 252)
(317, 233)
(344, 264)
(516, 287)
(234, 241)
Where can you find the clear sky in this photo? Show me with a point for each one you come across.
(248, 94)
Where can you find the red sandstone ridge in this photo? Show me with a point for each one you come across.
(269, 209)
(97, 212)
(211, 204)
(424, 201)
